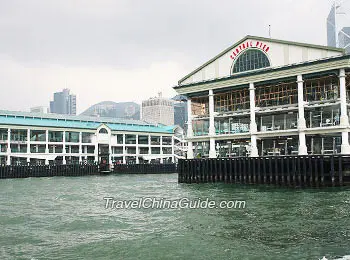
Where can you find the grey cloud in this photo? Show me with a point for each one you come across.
(126, 34)
(117, 48)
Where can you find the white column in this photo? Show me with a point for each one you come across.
(344, 118)
(189, 120)
(161, 150)
(110, 154)
(302, 143)
(124, 158)
(253, 126)
(64, 152)
(47, 146)
(85, 152)
(28, 145)
(212, 151)
(80, 147)
(189, 129)
(137, 149)
(189, 150)
(345, 147)
(211, 113)
(8, 161)
(172, 149)
(301, 121)
(96, 150)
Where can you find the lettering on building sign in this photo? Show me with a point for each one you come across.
(247, 45)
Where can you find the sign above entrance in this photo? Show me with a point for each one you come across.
(247, 45)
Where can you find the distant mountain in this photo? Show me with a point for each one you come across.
(128, 110)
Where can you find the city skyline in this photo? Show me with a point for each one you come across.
(106, 61)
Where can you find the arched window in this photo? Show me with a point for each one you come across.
(103, 131)
(251, 60)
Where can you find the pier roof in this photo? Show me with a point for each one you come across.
(79, 122)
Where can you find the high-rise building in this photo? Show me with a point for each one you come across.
(64, 103)
(338, 30)
(180, 110)
(158, 110)
(344, 39)
(331, 27)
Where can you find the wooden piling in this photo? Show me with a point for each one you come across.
(332, 171)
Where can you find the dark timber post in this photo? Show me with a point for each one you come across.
(316, 171)
(332, 170)
(235, 169)
(322, 169)
(340, 170)
(230, 170)
(264, 170)
(299, 170)
(288, 170)
(304, 171)
(310, 171)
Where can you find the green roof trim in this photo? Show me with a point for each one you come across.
(53, 121)
(261, 39)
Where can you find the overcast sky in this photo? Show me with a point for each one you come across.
(125, 50)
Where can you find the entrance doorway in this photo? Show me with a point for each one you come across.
(103, 157)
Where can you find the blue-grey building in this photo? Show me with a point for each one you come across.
(64, 103)
(331, 28)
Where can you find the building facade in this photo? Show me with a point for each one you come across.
(338, 30)
(264, 97)
(39, 109)
(158, 110)
(344, 39)
(332, 28)
(46, 139)
(64, 103)
(180, 111)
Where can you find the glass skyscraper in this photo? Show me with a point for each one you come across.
(331, 28)
(63, 103)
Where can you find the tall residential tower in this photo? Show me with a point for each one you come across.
(64, 103)
(158, 110)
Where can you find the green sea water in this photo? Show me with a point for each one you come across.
(66, 218)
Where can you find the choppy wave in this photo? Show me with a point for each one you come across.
(65, 218)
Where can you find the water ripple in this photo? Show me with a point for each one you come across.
(65, 218)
